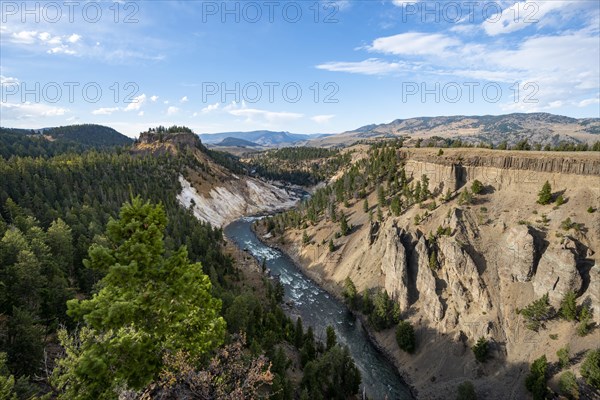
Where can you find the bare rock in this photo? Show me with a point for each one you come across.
(394, 266)
(432, 307)
(373, 232)
(460, 272)
(518, 259)
(556, 274)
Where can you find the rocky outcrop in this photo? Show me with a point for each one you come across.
(460, 273)
(425, 283)
(226, 203)
(549, 162)
(394, 266)
(519, 255)
(178, 138)
(557, 274)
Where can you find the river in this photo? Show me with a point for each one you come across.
(318, 309)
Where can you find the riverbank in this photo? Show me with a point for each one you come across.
(335, 290)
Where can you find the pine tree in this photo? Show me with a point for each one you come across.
(545, 195)
(344, 227)
(331, 339)
(396, 206)
(381, 195)
(366, 205)
(476, 187)
(298, 334)
(568, 306)
(405, 336)
(147, 305)
(481, 349)
(331, 246)
(433, 263)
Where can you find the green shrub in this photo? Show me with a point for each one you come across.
(405, 336)
(481, 349)
(568, 306)
(590, 369)
(563, 357)
(545, 195)
(476, 187)
(567, 385)
(535, 382)
(537, 312)
(585, 316)
(466, 391)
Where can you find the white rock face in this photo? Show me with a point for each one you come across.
(462, 277)
(425, 281)
(394, 266)
(519, 255)
(225, 204)
(556, 274)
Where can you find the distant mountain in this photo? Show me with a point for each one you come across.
(235, 142)
(263, 138)
(540, 128)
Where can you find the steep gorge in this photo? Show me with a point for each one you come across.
(503, 251)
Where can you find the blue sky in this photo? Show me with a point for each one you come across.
(299, 66)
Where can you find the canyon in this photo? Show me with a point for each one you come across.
(497, 255)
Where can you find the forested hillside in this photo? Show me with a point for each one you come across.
(63, 238)
(54, 141)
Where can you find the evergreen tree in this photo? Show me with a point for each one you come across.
(476, 187)
(568, 306)
(366, 205)
(298, 334)
(344, 227)
(381, 195)
(379, 214)
(331, 246)
(331, 339)
(545, 195)
(590, 369)
(396, 206)
(481, 349)
(466, 391)
(405, 336)
(147, 305)
(535, 382)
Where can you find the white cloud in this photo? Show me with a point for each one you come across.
(523, 14)
(61, 50)
(322, 119)
(588, 102)
(414, 43)
(210, 107)
(136, 103)
(154, 98)
(105, 111)
(74, 38)
(172, 110)
(371, 66)
(58, 44)
(24, 37)
(141, 114)
(7, 80)
(402, 3)
(166, 102)
(184, 99)
(258, 115)
(27, 110)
